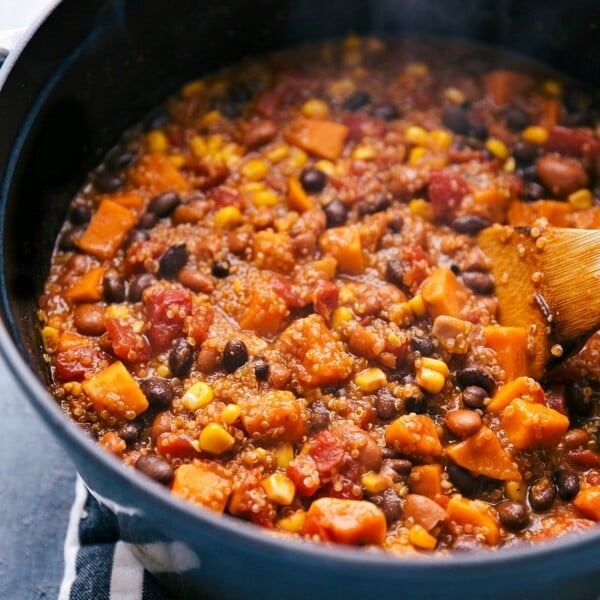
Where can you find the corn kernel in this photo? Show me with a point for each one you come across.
(552, 87)
(214, 142)
(419, 537)
(416, 135)
(342, 87)
(415, 155)
(535, 134)
(228, 216)
(198, 146)
(293, 523)
(49, 338)
(340, 315)
(374, 482)
(421, 208)
(435, 365)
(177, 160)
(515, 490)
(363, 153)
(315, 108)
(157, 141)
(439, 139)
(581, 199)
(417, 305)
(510, 165)
(347, 294)
(73, 387)
(210, 118)
(279, 488)
(197, 395)
(285, 455)
(298, 159)
(418, 70)
(117, 311)
(326, 166)
(454, 95)
(429, 380)
(278, 153)
(265, 198)
(255, 169)
(230, 414)
(497, 148)
(215, 440)
(163, 371)
(371, 379)
(193, 88)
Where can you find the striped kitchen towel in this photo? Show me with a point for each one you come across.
(98, 565)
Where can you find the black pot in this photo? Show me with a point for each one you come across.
(93, 68)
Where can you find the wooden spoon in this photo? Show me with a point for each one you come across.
(548, 281)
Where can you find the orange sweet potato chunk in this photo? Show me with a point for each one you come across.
(444, 294)
(107, 229)
(205, 483)
(510, 345)
(502, 85)
(482, 453)
(353, 522)
(414, 435)
(315, 356)
(88, 288)
(521, 387)
(588, 502)
(532, 425)
(426, 480)
(116, 391)
(525, 213)
(318, 136)
(345, 245)
(275, 416)
(155, 174)
(266, 311)
(462, 511)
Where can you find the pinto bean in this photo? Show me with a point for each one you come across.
(561, 175)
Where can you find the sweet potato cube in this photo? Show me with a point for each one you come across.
(462, 511)
(521, 387)
(266, 311)
(318, 136)
(525, 213)
(354, 522)
(510, 345)
(345, 245)
(502, 85)
(205, 483)
(116, 391)
(131, 200)
(414, 435)
(426, 480)
(483, 454)
(156, 174)
(588, 502)
(532, 425)
(88, 288)
(107, 229)
(297, 198)
(444, 294)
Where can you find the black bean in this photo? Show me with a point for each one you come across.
(394, 271)
(373, 204)
(516, 118)
(415, 405)
(456, 119)
(235, 354)
(156, 467)
(478, 131)
(470, 224)
(138, 285)
(532, 191)
(424, 345)
(541, 495)
(261, 370)
(158, 391)
(114, 287)
(463, 480)
(172, 261)
(474, 397)
(313, 180)
(357, 100)
(386, 111)
(390, 504)
(513, 515)
(147, 221)
(107, 182)
(396, 223)
(480, 282)
(455, 269)
(524, 152)
(220, 269)
(475, 376)
(118, 159)
(181, 357)
(336, 213)
(320, 416)
(135, 235)
(164, 204)
(67, 240)
(400, 466)
(528, 173)
(130, 432)
(579, 396)
(385, 404)
(567, 484)
(79, 214)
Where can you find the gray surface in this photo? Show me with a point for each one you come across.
(36, 492)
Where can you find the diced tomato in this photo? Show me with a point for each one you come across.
(359, 126)
(574, 142)
(284, 289)
(75, 363)
(345, 485)
(588, 459)
(139, 252)
(174, 446)
(167, 309)
(199, 322)
(225, 196)
(303, 471)
(128, 345)
(446, 193)
(249, 499)
(417, 264)
(327, 451)
(325, 297)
